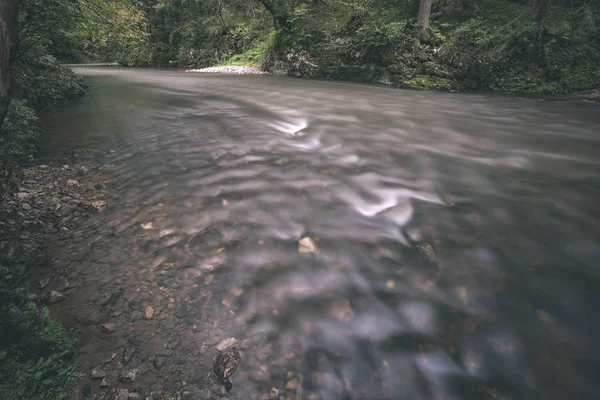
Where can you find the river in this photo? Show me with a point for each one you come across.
(456, 237)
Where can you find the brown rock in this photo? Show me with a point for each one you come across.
(99, 205)
(292, 384)
(55, 297)
(148, 312)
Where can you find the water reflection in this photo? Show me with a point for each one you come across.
(457, 234)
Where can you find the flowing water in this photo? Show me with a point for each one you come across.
(457, 237)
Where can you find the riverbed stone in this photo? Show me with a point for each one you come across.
(148, 312)
(44, 282)
(225, 343)
(104, 383)
(55, 296)
(109, 327)
(97, 373)
(129, 376)
(307, 245)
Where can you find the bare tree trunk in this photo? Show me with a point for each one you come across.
(9, 11)
(542, 15)
(422, 20)
(424, 13)
(542, 11)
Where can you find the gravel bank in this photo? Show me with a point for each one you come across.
(231, 70)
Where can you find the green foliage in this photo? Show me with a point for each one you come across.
(43, 81)
(18, 143)
(40, 364)
(504, 49)
(254, 55)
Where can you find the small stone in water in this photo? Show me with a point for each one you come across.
(274, 394)
(104, 382)
(158, 362)
(128, 354)
(307, 245)
(122, 394)
(147, 225)
(72, 182)
(97, 373)
(149, 312)
(225, 343)
(292, 384)
(109, 327)
(129, 376)
(44, 282)
(209, 279)
(99, 205)
(427, 251)
(55, 297)
(342, 311)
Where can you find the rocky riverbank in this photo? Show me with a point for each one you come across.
(139, 335)
(230, 69)
(49, 201)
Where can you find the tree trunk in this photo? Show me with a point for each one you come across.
(424, 13)
(9, 11)
(542, 11)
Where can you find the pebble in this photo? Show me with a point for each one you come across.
(104, 383)
(97, 373)
(158, 362)
(44, 282)
(307, 245)
(72, 182)
(109, 327)
(55, 297)
(292, 384)
(99, 205)
(274, 394)
(148, 312)
(225, 343)
(129, 375)
(128, 354)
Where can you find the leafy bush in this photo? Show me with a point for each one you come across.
(38, 364)
(18, 143)
(43, 81)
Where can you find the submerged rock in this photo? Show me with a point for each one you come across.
(129, 375)
(97, 373)
(225, 343)
(274, 394)
(55, 297)
(99, 205)
(44, 282)
(109, 327)
(307, 245)
(148, 312)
